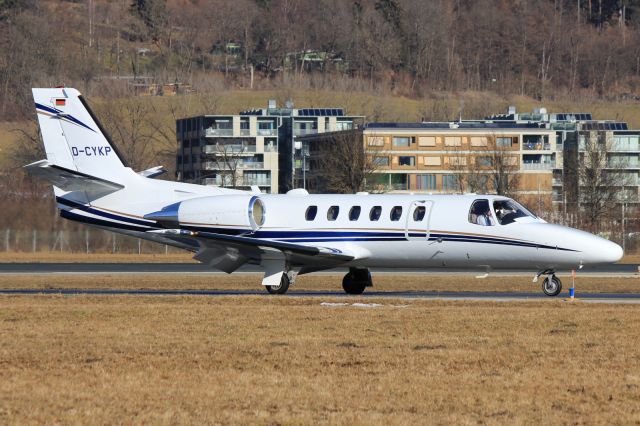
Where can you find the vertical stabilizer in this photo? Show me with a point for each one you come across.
(72, 135)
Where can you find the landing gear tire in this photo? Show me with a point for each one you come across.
(552, 286)
(282, 287)
(356, 280)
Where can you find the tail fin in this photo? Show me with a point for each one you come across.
(73, 137)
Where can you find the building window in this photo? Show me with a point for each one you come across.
(375, 141)
(344, 125)
(484, 161)
(375, 213)
(396, 213)
(402, 141)
(426, 182)
(354, 213)
(457, 161)
(381, 161)
(431, 161)
(479, 141)
(311, 213)
(418, 213)
(510, 160)
(406, 161)
(332, 213)
(504, 142)
(426, 141)
(449, 182)
(453, 141)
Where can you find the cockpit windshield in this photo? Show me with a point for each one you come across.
(507, 211)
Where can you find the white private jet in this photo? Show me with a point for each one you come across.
(296, 233)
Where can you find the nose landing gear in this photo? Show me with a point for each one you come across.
(551, 286)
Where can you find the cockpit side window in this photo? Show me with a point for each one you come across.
(507, 211)
(480, 213)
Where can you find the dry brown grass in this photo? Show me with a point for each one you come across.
(630, 258)
(283, 361)
(319, 282)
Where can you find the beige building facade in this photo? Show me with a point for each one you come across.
(461, 157)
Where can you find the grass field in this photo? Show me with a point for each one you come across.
(274, 360)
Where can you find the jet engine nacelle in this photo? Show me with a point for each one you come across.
(235, 211)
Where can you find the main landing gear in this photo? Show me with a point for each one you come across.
(356, 280)
(551, 285)
(281, 288)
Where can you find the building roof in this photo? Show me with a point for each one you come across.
(472, 125)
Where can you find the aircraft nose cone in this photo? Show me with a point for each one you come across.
(611, 252)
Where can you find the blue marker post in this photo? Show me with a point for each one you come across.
(572, 290)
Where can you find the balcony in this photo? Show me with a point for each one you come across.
(245, 132)
(258, 182)
(229, 149)
(209, 132)
(250, 165)
(556, 182)
(536, 146)
(303, 132)
(623, 146)
(538, 166)
(267, 132)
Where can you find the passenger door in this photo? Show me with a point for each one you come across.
(418, 224)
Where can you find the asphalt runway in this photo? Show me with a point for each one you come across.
(197, 268)
(628, 298)
(193, 268)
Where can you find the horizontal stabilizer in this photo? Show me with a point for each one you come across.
(71, 180)
(153, 172)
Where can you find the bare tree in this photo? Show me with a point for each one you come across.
(490, 166)
(501, 165)
(469, 178)
(226, 159)
(340, 163)
(136, 127)
(599, 178)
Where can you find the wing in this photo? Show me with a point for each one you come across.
(72, 180)
(228, 252)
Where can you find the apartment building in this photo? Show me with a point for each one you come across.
(229, 150)
(462, 156)
(578, 133)
(257, 147)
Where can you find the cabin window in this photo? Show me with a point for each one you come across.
(311, 213)
(332, 213)
(418, 213)
(375, 213)
(354, 213)
(396, 213)
(480, 213)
